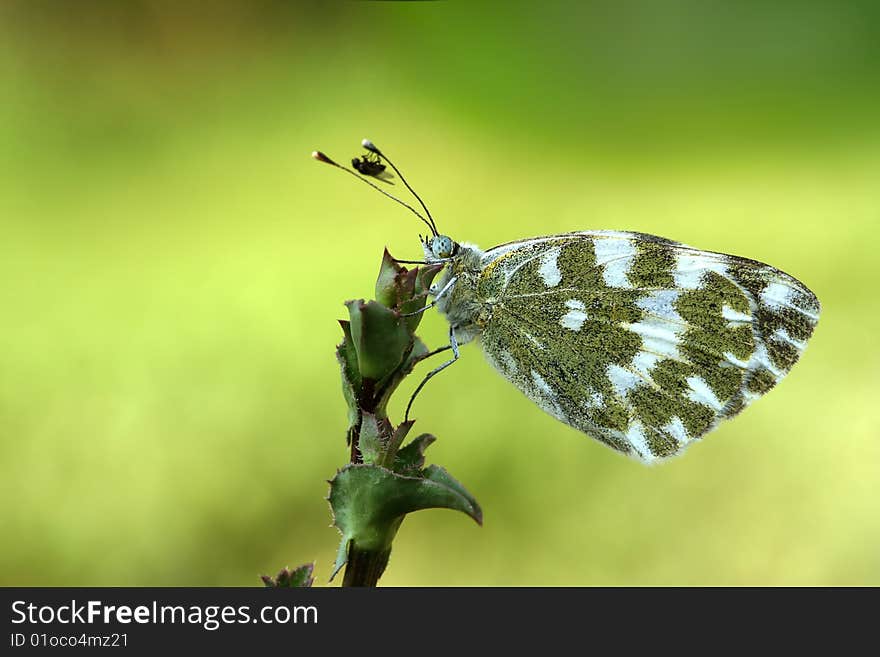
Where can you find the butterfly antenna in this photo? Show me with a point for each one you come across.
(318, 155)
(370, 146)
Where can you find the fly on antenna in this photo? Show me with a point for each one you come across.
(370, 165)
(370, 146)
(318, 155)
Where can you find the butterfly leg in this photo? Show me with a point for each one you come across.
(453, 344)
(438, 350)
(437, 296)
(423, 262)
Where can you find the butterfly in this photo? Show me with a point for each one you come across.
(640, 342)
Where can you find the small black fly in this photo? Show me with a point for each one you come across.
(371, 165)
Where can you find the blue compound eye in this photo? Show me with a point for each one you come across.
(443, 246)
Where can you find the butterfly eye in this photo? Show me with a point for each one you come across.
(443, 246)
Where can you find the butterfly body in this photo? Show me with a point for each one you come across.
(640, 342)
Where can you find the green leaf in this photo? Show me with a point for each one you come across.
(416, 355)
(300, 577)
(341, 557)
(369, 503)
(346, 355)
(405, 290)
(395, 283)
(411, 459)
(380, 337)
(374, 437)
(411, 306)
(394, 443)
(388, 386)
(386, 292)
(419, 297)
(426, 277)
(440, 476)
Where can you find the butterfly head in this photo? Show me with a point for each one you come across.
(440, 247)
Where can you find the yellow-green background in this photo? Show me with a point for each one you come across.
(172, 265)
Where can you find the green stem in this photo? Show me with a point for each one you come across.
(364, 567)
(375, 356)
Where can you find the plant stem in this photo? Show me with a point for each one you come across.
(369, 497)
(364, 567)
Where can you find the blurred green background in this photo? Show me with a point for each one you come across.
(172, 265)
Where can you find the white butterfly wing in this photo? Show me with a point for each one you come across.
(642, 343)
